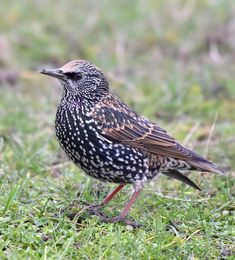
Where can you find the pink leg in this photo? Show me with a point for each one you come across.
(128, 205)
(112, 194)
(94, 209)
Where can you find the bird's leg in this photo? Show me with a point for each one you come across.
(107, 198)
(128, 205)
(112, 194)
(138, 186)
(122, 217)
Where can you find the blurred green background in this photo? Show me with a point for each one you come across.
(174, 62)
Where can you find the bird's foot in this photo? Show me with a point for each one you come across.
(125, 221)
(106, 219)
(95, 209)
(91, 207)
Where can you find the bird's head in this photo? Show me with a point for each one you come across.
(80, 78)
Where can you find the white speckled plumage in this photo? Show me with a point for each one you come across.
(109, 140)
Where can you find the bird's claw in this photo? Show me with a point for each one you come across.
(125, 221)
(106, 219)
(91, 206)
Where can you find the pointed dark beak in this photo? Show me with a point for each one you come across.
(56, 73)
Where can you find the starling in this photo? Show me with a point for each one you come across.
(109, 141)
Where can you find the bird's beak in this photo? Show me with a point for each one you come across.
(56, 73)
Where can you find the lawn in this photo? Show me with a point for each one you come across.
(173, 61)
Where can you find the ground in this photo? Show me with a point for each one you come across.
(174, 63)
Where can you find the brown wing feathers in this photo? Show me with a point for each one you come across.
(124, 125)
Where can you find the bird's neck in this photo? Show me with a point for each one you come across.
(84, 104)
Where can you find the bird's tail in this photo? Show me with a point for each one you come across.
(204, 165)
(199, 164)
(180, 177)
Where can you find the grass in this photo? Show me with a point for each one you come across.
(179, 62)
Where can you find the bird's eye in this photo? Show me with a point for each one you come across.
(74, 75)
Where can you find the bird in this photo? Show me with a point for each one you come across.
(110, 141)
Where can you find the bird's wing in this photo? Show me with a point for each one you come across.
(119, 123)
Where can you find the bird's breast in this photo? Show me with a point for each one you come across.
(82, 141)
